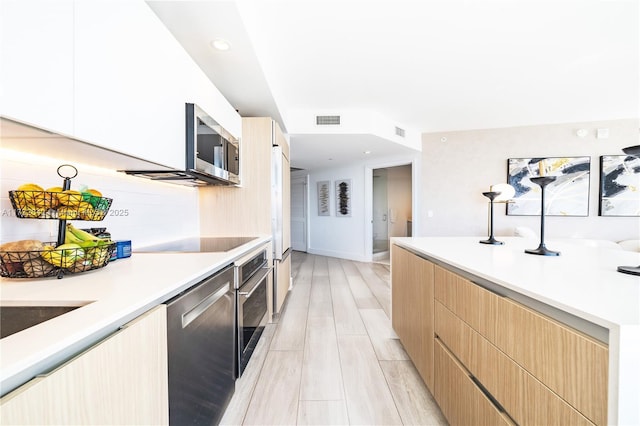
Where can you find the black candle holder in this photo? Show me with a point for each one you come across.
(542, 250)
(491, 195)
(631, 270)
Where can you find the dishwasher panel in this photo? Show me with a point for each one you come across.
(201, 333)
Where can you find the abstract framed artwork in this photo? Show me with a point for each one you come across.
(343, 197)
(619, 185)
(324, 198)
(567, 196)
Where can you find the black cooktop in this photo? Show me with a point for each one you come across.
(197, 245)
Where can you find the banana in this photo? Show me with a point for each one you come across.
(61, 257)
(30, 187)
(81, 235)
(70, 238)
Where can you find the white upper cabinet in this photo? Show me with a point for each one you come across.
(36, 63)
(107, 72)
(130, 81)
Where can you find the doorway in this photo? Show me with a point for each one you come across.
(299, 213)
(392, 207)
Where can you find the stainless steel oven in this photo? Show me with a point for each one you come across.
(252, 281)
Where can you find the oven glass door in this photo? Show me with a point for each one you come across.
(252, 315)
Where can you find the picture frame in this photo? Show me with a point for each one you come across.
(619, 192)
(567, 196)
(343, 197)
(324, 198)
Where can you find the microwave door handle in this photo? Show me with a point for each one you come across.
(258, 279)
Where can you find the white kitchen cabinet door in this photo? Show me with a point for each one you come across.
(131, 79)
(121, 380)
(36, 57)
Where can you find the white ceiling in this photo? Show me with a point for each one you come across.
(429, 65)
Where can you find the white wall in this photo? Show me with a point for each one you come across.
(457, 170)
(142, 211)
(347, 237)
(332, 235)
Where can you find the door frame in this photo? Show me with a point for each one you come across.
(368, 199)
(305, 200)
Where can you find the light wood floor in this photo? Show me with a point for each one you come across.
(333, 357)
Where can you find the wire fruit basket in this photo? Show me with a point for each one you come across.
(71, 253)
(65, 205)
(51, 261)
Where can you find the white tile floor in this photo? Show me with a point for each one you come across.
(333, 357)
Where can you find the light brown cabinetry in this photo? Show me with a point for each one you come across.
(459, 398)
(571, 364)
(539, 370)
(121, 380)
(412, 308)
(489, 359)
(243, 211)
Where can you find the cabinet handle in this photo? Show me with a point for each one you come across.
(490, 397)
(199, 309)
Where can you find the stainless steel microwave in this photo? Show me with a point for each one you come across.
(211, 150)
(212, 155)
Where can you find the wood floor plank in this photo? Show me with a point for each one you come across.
(369, 400)
(275, 397)
(322, 413)
(297, 257)
(321, 374)
(320, 304)
(382, 270)
(291, 329)
(385, 341)
(361, 293)
(345, 312)
(381, 289)
(415, 404)
(350, 269)
(238, 405)
(321, 267)
(337, 276)
(305, 271)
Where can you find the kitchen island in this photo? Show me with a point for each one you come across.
(579, 291)
(109, 298)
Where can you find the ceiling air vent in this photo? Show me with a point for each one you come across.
(327, 120)
(399, 132)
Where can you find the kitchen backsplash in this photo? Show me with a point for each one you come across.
(142, 211)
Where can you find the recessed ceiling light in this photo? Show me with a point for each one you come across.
(220, 44)
(366, 152)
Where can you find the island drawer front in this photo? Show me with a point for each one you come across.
(412, 308)
(472, 303)
(524, 398)
(462, 402)
(570, 363)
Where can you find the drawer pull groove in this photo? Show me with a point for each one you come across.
(490, 397)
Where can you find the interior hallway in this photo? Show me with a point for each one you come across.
(332, 358)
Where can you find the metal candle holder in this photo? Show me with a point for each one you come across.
(542, 250)
(631, 270)
(491, 195)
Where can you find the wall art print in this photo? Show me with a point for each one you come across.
(567, 196)
(619, 185)
(343, 197)
(324, 198)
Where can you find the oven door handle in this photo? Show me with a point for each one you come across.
(255, 282)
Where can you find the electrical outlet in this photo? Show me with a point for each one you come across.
(602, 133)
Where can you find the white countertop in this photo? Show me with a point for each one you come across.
(582, 281)
(111, 297)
